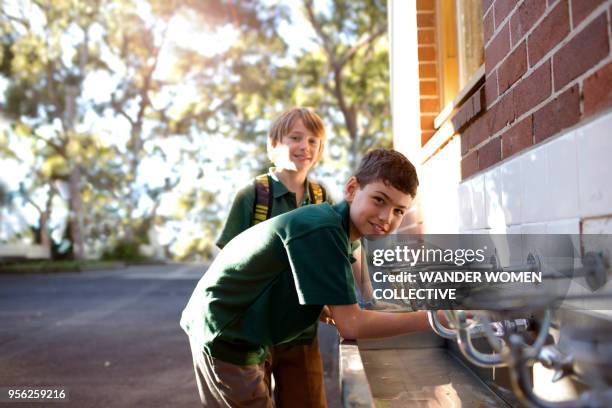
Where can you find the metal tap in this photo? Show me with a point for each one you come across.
(521, 357)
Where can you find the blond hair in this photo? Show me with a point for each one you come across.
(283, 124)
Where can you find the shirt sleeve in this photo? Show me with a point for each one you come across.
(321, 268)
(240, 215)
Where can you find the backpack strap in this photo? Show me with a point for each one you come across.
(263, 199)
(317, 192)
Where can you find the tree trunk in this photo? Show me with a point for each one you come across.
(354, 154)
(75, 202)
(43, 222)
(76, 213)
(73, 88)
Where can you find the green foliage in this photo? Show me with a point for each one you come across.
(127, 251)
(91, 150)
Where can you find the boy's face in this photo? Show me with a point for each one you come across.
(376, 209)
(298, 150)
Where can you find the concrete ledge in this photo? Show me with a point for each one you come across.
(23, 251)
(405, 341)
(424, 377)
(356, 391)
(355, 388)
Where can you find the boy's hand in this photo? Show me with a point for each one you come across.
(326, 316)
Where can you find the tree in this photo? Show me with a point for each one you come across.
(351, 67)
(345, 78)
(134, 42)
(46, 82)
(52, 66)
(92, 92)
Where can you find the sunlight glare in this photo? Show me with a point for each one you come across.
(185, 33)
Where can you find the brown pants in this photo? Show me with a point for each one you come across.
(222, 384)
(298, 376)
(298, 373)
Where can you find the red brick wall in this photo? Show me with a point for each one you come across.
(428, 67)
(548, 66)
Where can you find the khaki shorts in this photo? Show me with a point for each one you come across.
(298, 374)
(222, 384)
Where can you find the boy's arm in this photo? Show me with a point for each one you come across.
(239, 217)
(354, 323)
(361, 276)
(364, 284)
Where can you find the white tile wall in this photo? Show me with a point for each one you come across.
(598, 226)
(465, 206)
(557, 183)
(533, 240)
(594, 142)
(562, 184)
(513, 229)
(598, 243)
(533, 228)
(478, 203)
(495, 216)
(512, 192)
(536, 199)
(571, 229)
(567, 226)
(594, 241)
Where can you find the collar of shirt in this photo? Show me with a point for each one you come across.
(279, 189)
(343, 209)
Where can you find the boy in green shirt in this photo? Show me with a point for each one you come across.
(272, 281)
(295, 142)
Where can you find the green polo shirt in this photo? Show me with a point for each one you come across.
(270, 283)
(241, 214)
(240, 218)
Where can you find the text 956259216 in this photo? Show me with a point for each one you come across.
(33, 394)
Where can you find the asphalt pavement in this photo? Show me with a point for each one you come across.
(110, 338)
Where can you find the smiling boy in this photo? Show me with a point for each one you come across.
(295, 143)
(272, 281)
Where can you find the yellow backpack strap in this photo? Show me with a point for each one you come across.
(317, 193)
(263, 199)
